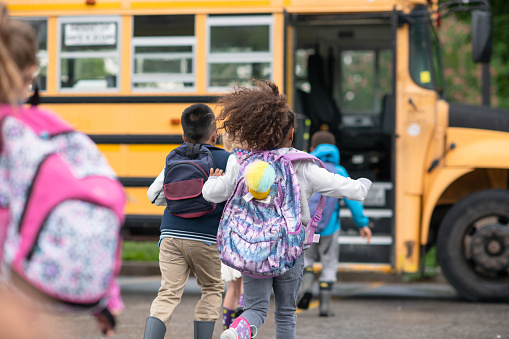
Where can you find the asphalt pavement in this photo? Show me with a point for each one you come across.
(362, 309)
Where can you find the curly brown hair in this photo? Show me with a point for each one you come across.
(258, 117)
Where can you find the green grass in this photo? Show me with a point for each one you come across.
(140, 250)
(430, 267)
(430, 258)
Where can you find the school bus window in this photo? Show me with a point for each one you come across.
(421, 68)
(89, 53)
(437, 62)
(163, 52)
(358, 81)
(366, 76)
(239, 48)
(40, 26)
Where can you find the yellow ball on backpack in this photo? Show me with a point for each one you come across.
(259, 177)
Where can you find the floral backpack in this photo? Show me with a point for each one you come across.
(61, 208)
(265, 237)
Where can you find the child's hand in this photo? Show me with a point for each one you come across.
(106, 323)
(366, 182)
(365, 233)
(217, 173)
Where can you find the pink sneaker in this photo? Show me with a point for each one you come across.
(240, 329)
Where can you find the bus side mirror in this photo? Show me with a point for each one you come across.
(481, 36)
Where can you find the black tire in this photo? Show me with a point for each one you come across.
(461, 225)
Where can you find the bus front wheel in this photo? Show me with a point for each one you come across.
(473, 246)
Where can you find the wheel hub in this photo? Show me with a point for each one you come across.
(490, 247)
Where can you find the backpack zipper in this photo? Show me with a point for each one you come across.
(30, 188)
(36, 241)
(200, 152)
(188, 163)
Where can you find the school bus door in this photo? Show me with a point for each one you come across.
(339, 77)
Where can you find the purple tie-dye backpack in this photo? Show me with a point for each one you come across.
(265, 238)
(61, 208)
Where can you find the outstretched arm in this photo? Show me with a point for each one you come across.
(334, 185)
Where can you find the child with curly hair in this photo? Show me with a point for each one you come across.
(260, 118)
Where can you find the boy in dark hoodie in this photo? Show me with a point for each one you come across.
(327, 250)
(189, 244)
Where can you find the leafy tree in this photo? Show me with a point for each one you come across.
(500, 59)
(463, 76)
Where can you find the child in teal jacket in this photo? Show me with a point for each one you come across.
(327, 250)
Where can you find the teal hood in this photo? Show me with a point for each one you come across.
(327, 153)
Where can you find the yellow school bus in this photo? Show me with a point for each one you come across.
(367, 70)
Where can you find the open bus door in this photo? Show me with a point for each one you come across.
(340, 78)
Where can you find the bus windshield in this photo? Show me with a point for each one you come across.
(425, 58)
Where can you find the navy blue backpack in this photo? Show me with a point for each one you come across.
(187, 168)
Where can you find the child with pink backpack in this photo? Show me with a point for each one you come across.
(61, 204)
(266, 223)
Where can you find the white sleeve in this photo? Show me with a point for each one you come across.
(219, 189)
(155, 192)
(333, 185)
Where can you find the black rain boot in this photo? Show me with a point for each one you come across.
(203, 329)
(306, 288)
(325, 296)
(154, 328)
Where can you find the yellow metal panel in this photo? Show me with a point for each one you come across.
(357, 267)
(71, 7)
(121, 7)
(437, 145)
(477, 148)
(407, 204)
(126, 58)
(327, 6)
(113, 154)
(203, 4)
(278, 58)
(146, 160)
(124, 118)
(441, 178)
(52, 57)
(138, 203)
(200, 32)
(137, 160)
(415, 130)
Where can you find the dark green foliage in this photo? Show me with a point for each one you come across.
(463, 77)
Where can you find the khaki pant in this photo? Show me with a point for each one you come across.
(177, 257)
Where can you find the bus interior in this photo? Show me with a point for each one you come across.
(343, 83)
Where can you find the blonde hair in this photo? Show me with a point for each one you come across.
(18, 49)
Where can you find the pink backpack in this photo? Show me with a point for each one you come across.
(61, 208)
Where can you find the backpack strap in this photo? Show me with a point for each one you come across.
(192, 150)
(313, 222)
(44, 123)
